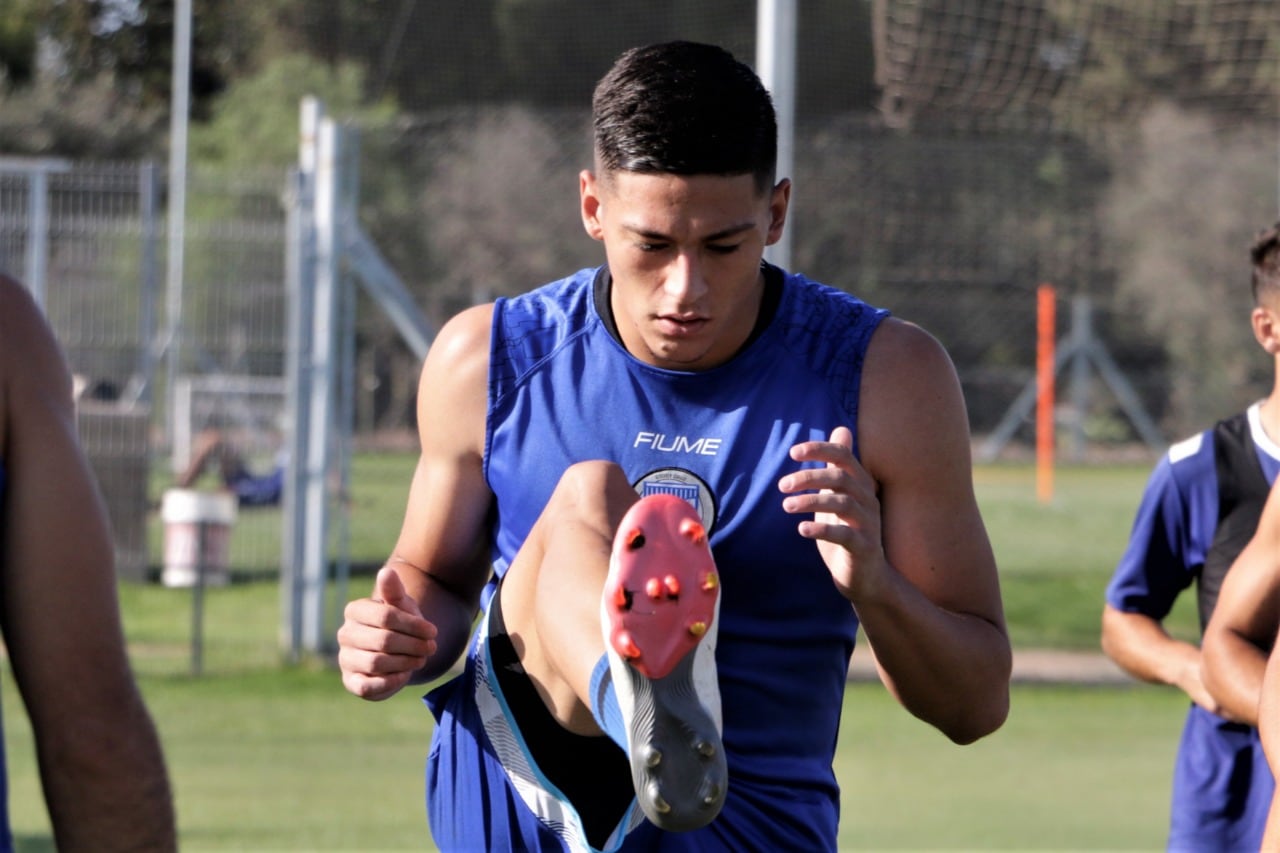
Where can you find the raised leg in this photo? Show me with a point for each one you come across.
(603, 572)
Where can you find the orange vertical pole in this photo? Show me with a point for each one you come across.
(1045, 334)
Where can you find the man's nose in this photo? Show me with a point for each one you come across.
(685, 281)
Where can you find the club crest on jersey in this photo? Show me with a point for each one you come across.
(683, 484)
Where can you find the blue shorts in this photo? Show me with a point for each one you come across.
(484, 790)
(1222, 786)
(265, 490)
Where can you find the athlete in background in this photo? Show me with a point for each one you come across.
(1200, 508)
(101, 766)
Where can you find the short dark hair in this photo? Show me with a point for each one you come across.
(685, 108)
(1265, 255)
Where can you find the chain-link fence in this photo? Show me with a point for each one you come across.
(88, 238)
(948, 195)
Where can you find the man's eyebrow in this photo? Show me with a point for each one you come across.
(658, 236)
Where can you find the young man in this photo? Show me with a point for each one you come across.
(101, 765)
(1200, 508)
(683, 697)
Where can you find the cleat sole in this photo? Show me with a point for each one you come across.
(658, 612)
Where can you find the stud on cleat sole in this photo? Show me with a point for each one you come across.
(678, 768)
(625, 646)
(693, 531)
(622, 599)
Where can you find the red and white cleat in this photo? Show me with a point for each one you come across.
(658, 614)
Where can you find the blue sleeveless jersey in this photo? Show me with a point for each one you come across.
(1222, 785)
(564, 390)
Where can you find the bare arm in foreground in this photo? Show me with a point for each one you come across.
(101, 765)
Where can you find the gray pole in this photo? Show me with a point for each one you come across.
(300, 271)
(325, 305)
(38, 236)
(178, 116)
(148, 193)
(776, 65)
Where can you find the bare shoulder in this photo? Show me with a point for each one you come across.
(21, 323)
(900, 349)
(453, 387)
(12, 293)
(910, 401)
(32, 367)
(462, 345)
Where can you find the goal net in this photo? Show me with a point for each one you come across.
(1082, 65)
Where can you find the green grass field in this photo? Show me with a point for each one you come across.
(271, 757)
(1055, 558)
(286, 761)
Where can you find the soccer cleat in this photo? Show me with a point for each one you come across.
(658, 615)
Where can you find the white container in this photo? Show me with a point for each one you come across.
(197, 536)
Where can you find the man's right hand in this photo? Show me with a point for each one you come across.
(384, 640)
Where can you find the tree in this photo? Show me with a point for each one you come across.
(18, 43)
(255, 121)
(132, 40)
(92, 78)
(1184, 266)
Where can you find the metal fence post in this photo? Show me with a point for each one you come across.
(323, 377)
(299, 277)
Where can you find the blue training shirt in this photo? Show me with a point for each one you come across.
(1221, 783)
(1175, 523)
(564, 390)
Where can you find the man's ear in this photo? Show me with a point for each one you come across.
(779, 200)
(1266, 328)
(589, 196)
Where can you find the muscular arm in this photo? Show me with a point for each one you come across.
(1141, 647)
(906, 543)
(100, 760)
(441, 556)
(1269, 730)
(1240, 633)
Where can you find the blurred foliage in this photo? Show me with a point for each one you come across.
(18, 43)
(92, 119)
(255, 121)
(1220, 57)
(419, 55)
(946, 161)
(1187, 198)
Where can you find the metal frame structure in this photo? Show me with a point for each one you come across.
(328, 254)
